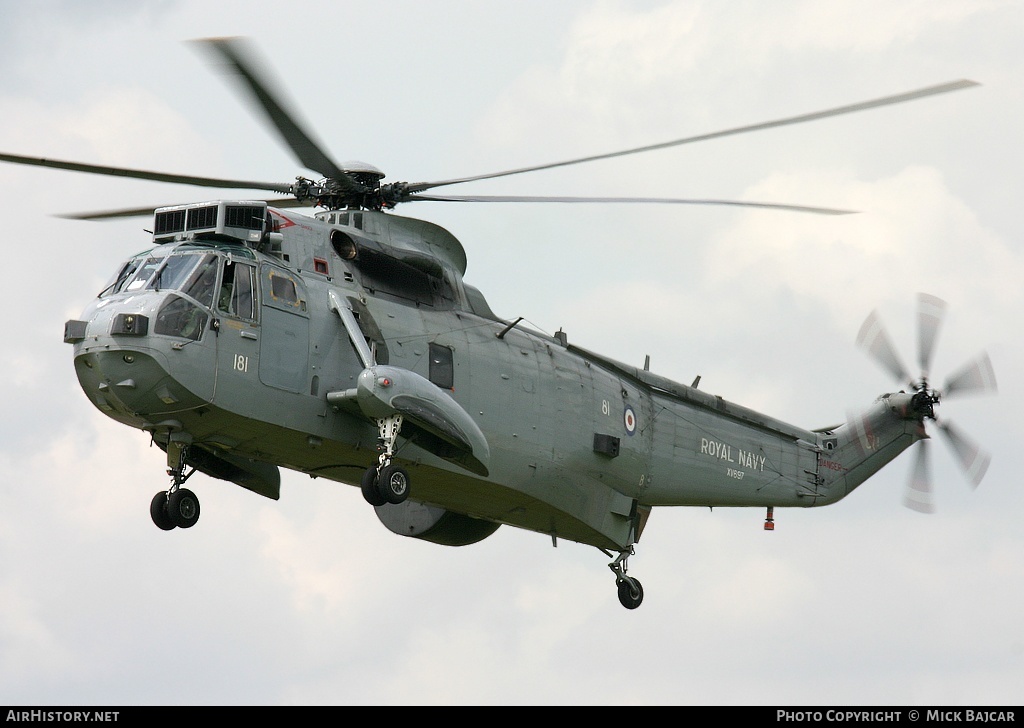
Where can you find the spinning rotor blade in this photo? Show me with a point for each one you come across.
(918, 495)
(837, 111)
(240, 60)
(970, 456)
(185, 179)
(930, 311)
(874, 339)
(146, 211)
(976, 376)
(529, 198)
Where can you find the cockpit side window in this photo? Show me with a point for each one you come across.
(203, 281)
(126, 272)
(238, 290)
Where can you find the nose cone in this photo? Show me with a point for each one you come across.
(129, 372)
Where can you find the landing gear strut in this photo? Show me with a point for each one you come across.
(631, 593)
(176, 507)
(386, 482)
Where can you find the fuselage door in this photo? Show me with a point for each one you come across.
(238, 341)
(284, 349)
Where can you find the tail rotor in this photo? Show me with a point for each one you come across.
(975, 377)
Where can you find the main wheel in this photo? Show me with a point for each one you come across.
(630, 593)
(394, 484)
(369, 487)
(183, 508)
(158, 511)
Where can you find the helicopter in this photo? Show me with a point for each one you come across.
(347, 345)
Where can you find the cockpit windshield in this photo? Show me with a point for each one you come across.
(173, 272)
(194, 272)
(136, 278)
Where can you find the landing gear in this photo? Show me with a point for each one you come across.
(386, 482)
(393, 484)
(158, 511)
(369, 487)
(183, 508)
(631, 593)
(177, 507)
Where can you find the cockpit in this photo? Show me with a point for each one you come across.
(201, 280)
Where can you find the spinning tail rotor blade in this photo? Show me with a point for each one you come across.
(975, 376)
(970, 456)
(930, 312)
(918, 495)
(874, 339)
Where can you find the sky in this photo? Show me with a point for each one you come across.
(310, 600)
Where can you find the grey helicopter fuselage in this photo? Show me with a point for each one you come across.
(285, 340)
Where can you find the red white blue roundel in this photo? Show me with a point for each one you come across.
(629, 420)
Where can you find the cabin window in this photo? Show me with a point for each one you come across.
(282, 290)
(442, 370)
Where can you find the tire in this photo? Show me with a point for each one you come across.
(183, 508)
(630, 593)
(158, 511)
(369, 487)
(394, 484)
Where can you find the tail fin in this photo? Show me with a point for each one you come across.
(869, 441)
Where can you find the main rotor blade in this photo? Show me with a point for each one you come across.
(281, 202)
(837, 111)
(930, 312)
(975, 376)
(874, 339)
(242, 63)
(613, 200)
(918, 495)
(969, 455)
(185, 179)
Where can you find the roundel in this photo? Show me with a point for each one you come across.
(629, 420)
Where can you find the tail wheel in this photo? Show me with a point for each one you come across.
(631, 593)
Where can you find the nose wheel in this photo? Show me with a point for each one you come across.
(176, 507)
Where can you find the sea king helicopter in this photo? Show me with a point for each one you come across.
(347, 346)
